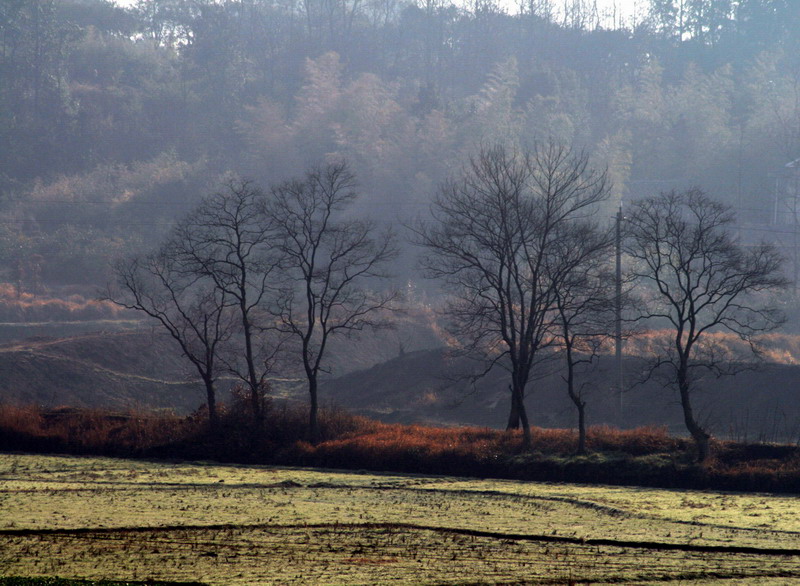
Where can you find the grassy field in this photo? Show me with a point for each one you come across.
(111, 519)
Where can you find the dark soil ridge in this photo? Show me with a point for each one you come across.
(559, 539)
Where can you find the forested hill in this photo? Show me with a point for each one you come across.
(114, 121)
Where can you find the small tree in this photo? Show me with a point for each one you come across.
(493, 241)
(195, 314)
(702, 281)
(328, 260)
(228, 240)
(585, 302)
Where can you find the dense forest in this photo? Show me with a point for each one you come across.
(115, 121)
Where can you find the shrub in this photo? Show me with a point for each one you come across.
(645, 456)
(89, 431)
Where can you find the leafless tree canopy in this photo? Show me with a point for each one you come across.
(329, 261)
(228, 240)
(494, 243)
(700, 279)
(248, 267)
(194, 313)
(585, 302)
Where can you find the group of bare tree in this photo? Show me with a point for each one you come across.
(251, 273)
(697, 279)
(515, 242)
(530, 278)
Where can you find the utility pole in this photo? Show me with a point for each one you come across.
(618, 309)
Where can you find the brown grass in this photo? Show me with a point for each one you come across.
(26, 307)
(776, 348)
(646, 456)
(89, 431)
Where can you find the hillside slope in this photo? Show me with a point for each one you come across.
(761, 405)
(143, 368)
(110, 370)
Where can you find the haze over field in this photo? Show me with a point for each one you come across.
(507, 265)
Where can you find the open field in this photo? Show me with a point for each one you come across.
(131, 520)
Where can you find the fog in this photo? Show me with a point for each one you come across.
(116, 119)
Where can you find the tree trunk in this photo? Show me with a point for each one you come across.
(575, 397)
(513, 416)
(523, 416)
(519, 417)
(211, 401)
(255, 389)
(313, 423)
(701, 436)
(255, 404)
(581, 427)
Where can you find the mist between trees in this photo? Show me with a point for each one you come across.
(114, 123)
(112, 119)
(250, 277)
(253, 281)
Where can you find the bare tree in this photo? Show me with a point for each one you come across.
(228, 240)
(329, 260)
(702, 281)
(195, 314)
(492, 241)
(585, 302)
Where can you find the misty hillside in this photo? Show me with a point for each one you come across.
(137, 370)
(761, 405)
(124, 130)
(118, 371)
(115, 121)
(142, 367)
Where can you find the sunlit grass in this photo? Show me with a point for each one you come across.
(250, 525)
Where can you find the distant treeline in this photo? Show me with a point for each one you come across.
(115, 121)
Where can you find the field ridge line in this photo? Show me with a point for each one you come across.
(636, 544)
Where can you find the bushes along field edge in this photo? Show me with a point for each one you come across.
(646, 456)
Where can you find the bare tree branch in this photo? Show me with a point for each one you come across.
(195, 313)
(492, 241)
(682, 249)
(329, 260)
(228, 240)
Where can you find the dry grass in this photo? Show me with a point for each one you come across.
(124, 519)
(90, 431)
(776, 348)
(645, 456)
(25, 307)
